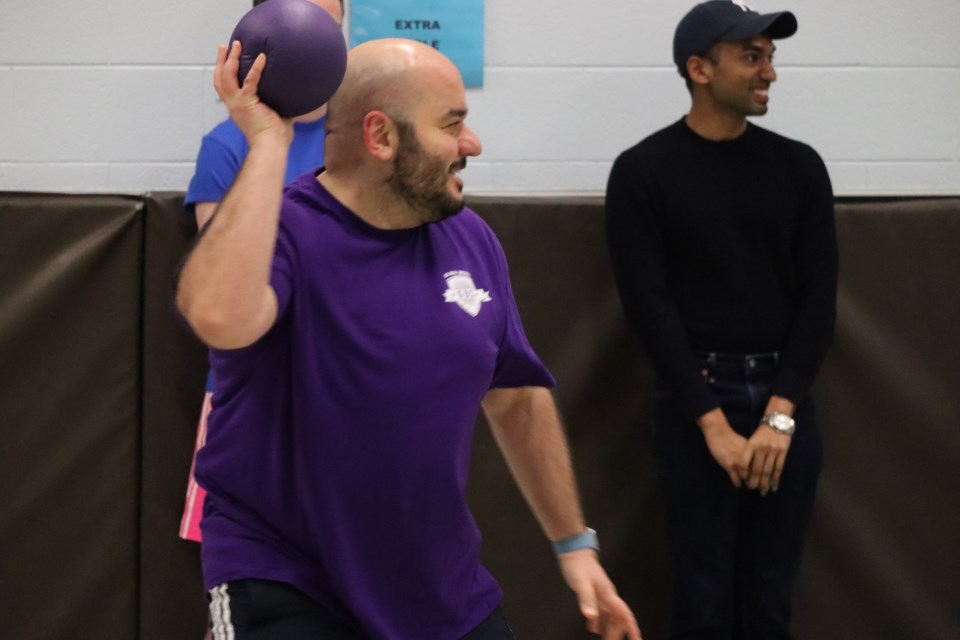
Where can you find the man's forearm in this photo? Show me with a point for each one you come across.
(223, 290)
(527, 428)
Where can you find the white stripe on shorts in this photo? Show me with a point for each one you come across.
(220, 623)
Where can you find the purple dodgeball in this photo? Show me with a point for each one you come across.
(306, 54)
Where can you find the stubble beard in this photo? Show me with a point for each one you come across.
(420, 179)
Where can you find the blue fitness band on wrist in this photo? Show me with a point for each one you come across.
(586, 540)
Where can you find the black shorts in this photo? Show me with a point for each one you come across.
(265, 610)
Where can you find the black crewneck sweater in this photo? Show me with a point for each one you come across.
(724, 247)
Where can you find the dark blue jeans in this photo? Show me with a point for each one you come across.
(267, 610)
(735, 553)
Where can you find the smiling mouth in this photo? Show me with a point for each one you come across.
(457, 167)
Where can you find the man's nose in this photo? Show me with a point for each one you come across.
(470, 143)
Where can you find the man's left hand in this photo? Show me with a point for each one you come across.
(768, 453)
(607, 614)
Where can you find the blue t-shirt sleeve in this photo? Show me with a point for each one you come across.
(221, 153)
(223, 150)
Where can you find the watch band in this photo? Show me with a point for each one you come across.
(586, 540)
(773, 420)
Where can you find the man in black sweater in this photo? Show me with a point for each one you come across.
(724, 251)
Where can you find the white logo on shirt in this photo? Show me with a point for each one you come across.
(462, 291)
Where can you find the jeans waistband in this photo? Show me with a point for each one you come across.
(745, 360)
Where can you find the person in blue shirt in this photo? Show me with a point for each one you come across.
(222, 152)
(223, 149)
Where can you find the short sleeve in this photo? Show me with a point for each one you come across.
(517, 363)
(218, 162)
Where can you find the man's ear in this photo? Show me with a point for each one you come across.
(699, 70)
(380, 135)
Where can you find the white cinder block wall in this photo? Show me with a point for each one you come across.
(114, 96)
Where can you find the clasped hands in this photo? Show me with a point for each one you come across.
(756, 462)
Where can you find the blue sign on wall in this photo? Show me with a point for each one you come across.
(455, 27)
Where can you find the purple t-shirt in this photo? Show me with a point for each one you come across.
(338, 446)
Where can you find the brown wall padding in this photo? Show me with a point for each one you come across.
(70, 286)
(174, 364)
(100, 390)
(884, 553)
(564, 288)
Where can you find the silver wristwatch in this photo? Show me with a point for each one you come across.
(780, 422)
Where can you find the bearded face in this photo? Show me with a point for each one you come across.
(422, 180)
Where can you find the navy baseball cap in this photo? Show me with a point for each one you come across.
(719, 20)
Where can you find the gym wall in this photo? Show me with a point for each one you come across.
(113, 97)
(100, 389)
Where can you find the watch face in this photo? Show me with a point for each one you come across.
(782, 422)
